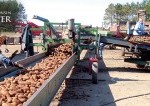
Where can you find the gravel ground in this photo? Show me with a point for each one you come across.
(120, 84)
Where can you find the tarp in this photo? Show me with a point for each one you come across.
(27, 40)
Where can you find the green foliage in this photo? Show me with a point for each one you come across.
(146, 6)
(13, 9)
(109, 13)
(122, 12)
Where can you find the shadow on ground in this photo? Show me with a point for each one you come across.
(79, 90)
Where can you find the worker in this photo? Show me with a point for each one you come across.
(5, 61)
(8, 61)
(101, 46)
(27, 40)
(139, 28)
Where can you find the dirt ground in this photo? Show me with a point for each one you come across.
(119, 84)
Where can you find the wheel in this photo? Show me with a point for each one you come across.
(94, 72)
(140, 66)
(122, 51)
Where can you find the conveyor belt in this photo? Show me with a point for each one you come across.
(121, 42)
(24, 62)
(44, 94)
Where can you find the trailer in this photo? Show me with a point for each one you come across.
(137, 46)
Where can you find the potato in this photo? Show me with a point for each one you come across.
(21, 95)
(22, 99)
(2, 83)
(9, 99)
(25, 77)
(25, 88)
(4, 92)
(12, 93)
(41, 80)
(29, 95)
(6, 104)
(15, 100)
(19, 104)
(14, 104)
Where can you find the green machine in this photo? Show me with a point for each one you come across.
(88, 39)
(54, 36)
(81, 38)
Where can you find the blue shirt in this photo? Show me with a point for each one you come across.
(139, 29)
(5, 61)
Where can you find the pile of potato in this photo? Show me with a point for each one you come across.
(14, 91)
(140, 39)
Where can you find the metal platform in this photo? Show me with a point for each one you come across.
(140, 54)
(121, 42)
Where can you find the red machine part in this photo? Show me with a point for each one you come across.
(91, 60)
(20, 25)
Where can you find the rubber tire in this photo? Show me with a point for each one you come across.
(95, 72)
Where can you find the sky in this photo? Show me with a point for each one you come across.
(86, 12)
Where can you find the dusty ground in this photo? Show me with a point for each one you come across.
(120, 84)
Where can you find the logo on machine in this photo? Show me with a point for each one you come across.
(5, 16)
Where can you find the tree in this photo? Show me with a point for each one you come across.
(126, 9)
(109, 14)
(124, 12)
(118, 12)
(21, 12)
(146, 6)
(14, 10)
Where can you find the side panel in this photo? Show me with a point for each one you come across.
(44, 95)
